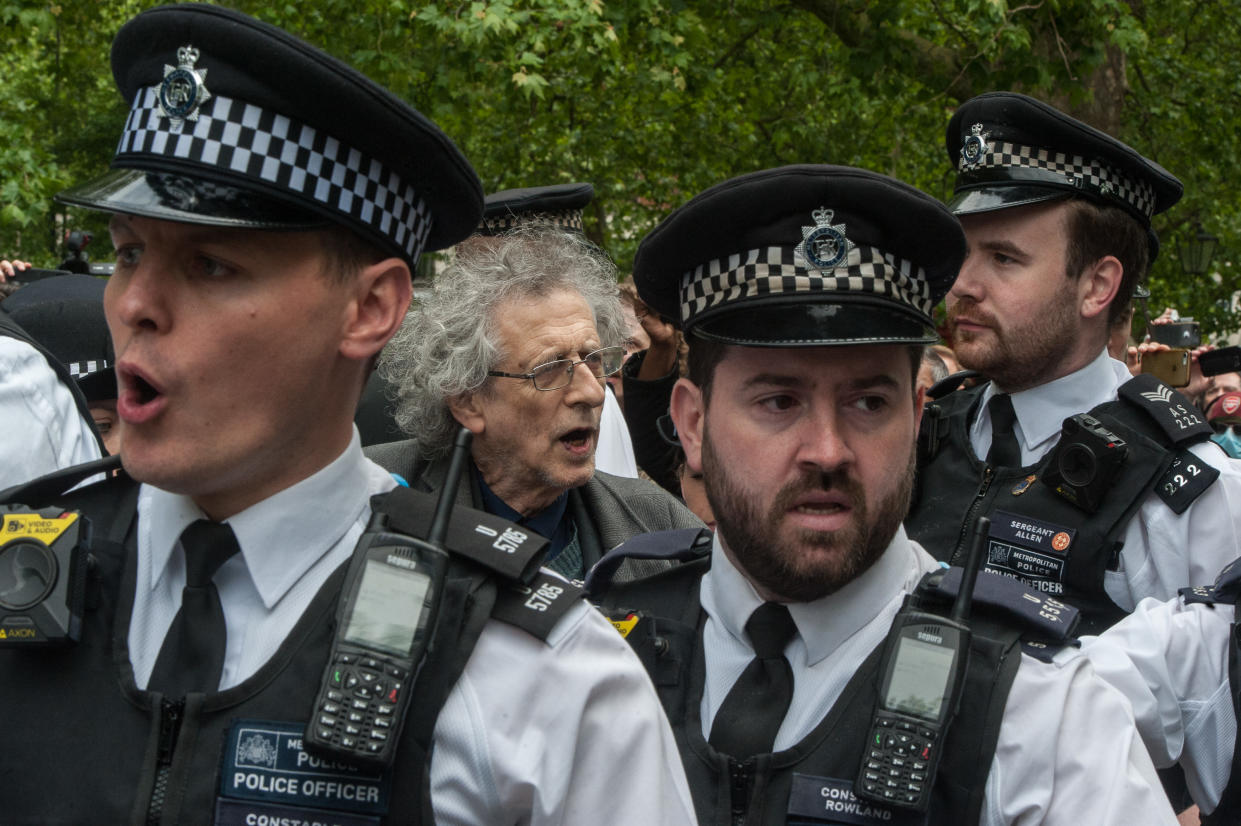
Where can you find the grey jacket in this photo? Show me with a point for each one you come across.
(607, 510)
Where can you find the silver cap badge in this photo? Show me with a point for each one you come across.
(183, 89)
(824, 245)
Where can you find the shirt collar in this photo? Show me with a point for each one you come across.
(825, 623)
(282, 536)
(545, 523)
(1041, 410)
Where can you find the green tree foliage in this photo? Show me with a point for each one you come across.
(654, 100)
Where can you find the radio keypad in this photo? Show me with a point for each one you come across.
(896, 765)
(371, 691)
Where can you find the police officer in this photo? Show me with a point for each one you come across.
(47, 420)
(1126, 501)
(64, 313)
(807, 293)
(1177, 663)
(269, 204)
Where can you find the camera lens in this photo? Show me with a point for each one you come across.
(27, 574)
(1077, 465)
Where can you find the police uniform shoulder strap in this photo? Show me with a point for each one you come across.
(938, 414)
(1225, 590)
(1149, 407)
(511, 552)
(1177, 418)
(1007, 601)
(10, 328)
(680, 545)
(537, 607)
(58, 482)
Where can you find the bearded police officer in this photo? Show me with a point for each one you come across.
(1101, 489)
(269, 204)
(807, 292)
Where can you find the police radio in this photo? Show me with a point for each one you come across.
(42, 592)
(924, 664)
(384, 621)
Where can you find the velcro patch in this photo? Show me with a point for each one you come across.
(537, 607)
(829, 800)
(1228, 583)
(264, 762)
(1202, 594)
(1174, 413)
(1049, 618)
(249, 813)
(1185, 480)
(511, 551)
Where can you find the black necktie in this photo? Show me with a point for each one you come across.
(753, 710)
(1004, 451)
(192, 656)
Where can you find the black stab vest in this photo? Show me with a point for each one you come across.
(785, 787)
(86, 742)
(954, 487)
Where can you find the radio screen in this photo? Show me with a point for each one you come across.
(919, 678)
(388, 607)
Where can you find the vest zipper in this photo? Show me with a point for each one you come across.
(988, 474)
(169, 727)
(739, 776)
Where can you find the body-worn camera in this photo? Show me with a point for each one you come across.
(41, 589)
(1085, 461)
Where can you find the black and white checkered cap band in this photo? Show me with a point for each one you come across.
(1075, 169)
(776, 270)
(257, 143)
(77, 369)
(570, 219)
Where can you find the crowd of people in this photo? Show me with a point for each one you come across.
(743, 538)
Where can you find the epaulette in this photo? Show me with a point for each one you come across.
(1225, 591)
(681, 545)
(1007, 600)
(1175, 415)
(950, 384)
(537, 607)
(513, 552)
(58, 482)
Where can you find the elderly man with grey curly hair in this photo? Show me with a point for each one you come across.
(514, 343)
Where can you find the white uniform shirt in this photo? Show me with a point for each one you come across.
(614, 453)
(1068, 752)
(41, 427)
(1162, 551)
(1171, 660)
(563, 732)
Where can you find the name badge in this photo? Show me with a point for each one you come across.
(817, 800)
(1030, 550)
(264, 762)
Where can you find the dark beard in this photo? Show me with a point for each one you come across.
(782, 569)
(1024, 358)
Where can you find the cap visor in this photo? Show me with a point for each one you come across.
(992, 198)
(187, 200)
(815, 324)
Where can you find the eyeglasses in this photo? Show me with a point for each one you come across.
(557, 374)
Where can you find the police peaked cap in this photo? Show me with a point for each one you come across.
(1010, 150)
(64, 313)
(803, 256)
(234, 122)
(559, 205)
